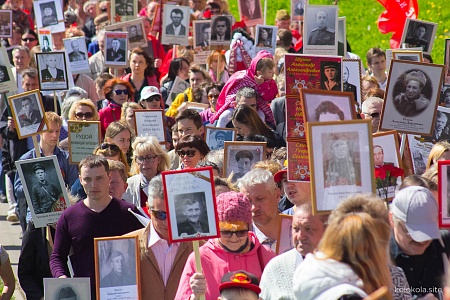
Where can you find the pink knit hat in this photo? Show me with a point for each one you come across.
(232, 207)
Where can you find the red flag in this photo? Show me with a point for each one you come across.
(394, 17)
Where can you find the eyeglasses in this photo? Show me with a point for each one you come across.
(119, 92)
(28, 40)
(149, 159)
(213, 96)
(189, 153)
(81, 115)
(228, 234)
(153, 98)
(113, 147)
(160, 215)
(373, 115)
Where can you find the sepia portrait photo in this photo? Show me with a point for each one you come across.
(5, 23)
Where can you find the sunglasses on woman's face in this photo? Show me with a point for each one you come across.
(213, 96)
(228, 233)
(189, 153)
(119, 92)
(153, 98)
(81, 115)
(28, 40)
(113, 147)
(160, 215)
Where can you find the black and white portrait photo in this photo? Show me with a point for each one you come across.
(124, 7)
(116, 52)
(46, 45)
(320, 27)
(412, 96)
(116, 47)
(4, 76)
(202, 33)
(52, 70)
(441, 131)
(135, 29)
(7, 82)
(116, 267)
(240, 156)
(298, 9)
(29, 113)
(44, 188)
(176, 24)
(5, 23)
(49, 15)
(266, 37)
(135, 34)
(77, 53)
(48, 11)
(67, 288)
(250, 11)
(191, 215)
(351, 78)
(221, 30)
(216, 137)
(419, 33)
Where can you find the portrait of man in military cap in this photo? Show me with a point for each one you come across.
(44, 194)
(330, 76)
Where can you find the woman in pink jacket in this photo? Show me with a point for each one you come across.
(236, 249)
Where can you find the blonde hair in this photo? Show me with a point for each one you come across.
(436, 152)
(83, 102)
(125, 106)
(269, 165)
(144, 144)
(354, 239)
(53, 117)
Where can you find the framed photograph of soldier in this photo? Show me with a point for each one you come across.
(45, 40)
(191, 204)
(266, 38)
(340, 155)
(251, 12)
(441, 131)
(412, 96)
(284, 239)
(117, 274)
(447, 62)
(319, 30)
(116, 49)
(77, 54)
(418, 33)
(5, 23)
(67, 288)
(123, 10)
(49, 15)
(390, 55)
(386, 153)
(408, 55)
(297, 155)
(298, 9)
(84, 137)
(44, 189)
(342, 36)
(28, 113)
(199, 107)
(52, 71)
(444, 195)
(240, 156)
(351, 78)
(179, 86)
(202, 34)
(7, 82)
(326, 106)
(135, 29)
(419, 152)
(175, 25)
(221, 30)
(216, 137)
(150, 122)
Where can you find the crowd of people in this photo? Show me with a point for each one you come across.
(362, 247)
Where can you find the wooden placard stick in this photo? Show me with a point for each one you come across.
(36, 146)
(198, 263)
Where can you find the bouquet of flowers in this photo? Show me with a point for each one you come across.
(386, 176)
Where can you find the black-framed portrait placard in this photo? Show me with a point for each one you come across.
(351, 78)
(412, 96)
(298, 9)
(221, 30)
(251, 12)
(117, 267)
(418, 33)
(179, 86)
(408, 55)
(341, 161)
(319, 30)
(175, 28)
(444, 193)
(123, 10)
(150, 122)
(116, 48)
(135, 29)
(67, 288)
(84, 137)
(240, 156)
(5, 23)
(284, 239)
(78, 55)
(191, 204)
(49, 14)
(342, 36)
(7, 82)
(386, 153)
(45, 40)
(327, 106)
(447, 62)
(28, 113)
(44, 189)
(52, 70)
(216, 137)
(266, 38)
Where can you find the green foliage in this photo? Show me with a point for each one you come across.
(361, 17)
